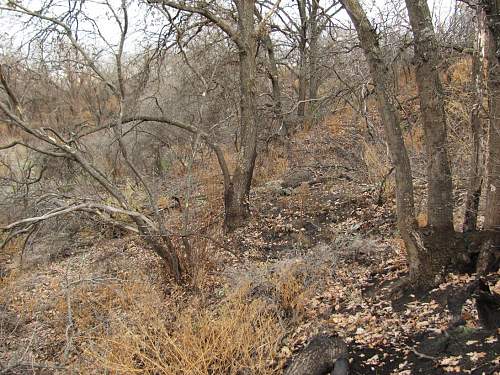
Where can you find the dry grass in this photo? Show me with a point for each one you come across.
(125, 325)
(378, 167)
(238, 336)
(270, 166)
(122, 323)
(292, 291)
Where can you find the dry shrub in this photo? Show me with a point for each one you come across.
(414, 139)
(10, 256)
(210, 178)
(336, 121)
(289, 284)
(378, 168)
(459, 71)
(238, 336)
(292, 290)
(375, 161)
(271, 166)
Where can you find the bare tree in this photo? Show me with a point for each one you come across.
(273, 74)
(49, 141)
(389, 114)
(436, 247)
(430, 90)
(304, 32)
(245, 34)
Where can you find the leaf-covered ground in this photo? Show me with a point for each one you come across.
(325, 229)
(408, 335)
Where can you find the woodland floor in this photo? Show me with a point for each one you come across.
(330, 225)
(385, 336)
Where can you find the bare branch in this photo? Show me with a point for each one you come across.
(263, 22)
(78, 207)
(15, 105)
(194, 130)
(224, 25)
(46, 152)
(17, 7)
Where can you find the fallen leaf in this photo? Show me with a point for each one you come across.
(475, 356)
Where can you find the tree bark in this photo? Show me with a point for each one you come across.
(492, 214)
(302, 59)
(385, 99)
(440, 194)
(476, 163)
(237, 186)
(236, 195)
(314, 31)
(490, 253)
(274, 78)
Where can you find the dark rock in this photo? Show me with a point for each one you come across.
(319, 357)
(488, 306)
(296, 178)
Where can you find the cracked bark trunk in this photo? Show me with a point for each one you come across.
(236, 194)
(440, 194)
(490, 253)
(273, 74)
(313, 60)
(302, 59)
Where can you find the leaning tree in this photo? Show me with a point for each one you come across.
(436, 248)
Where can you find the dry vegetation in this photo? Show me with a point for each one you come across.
(319, 251)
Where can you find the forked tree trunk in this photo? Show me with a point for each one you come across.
(440, 197)
(440, 194)
(244, 35)
(476, 163)
(439, 249)
(272, 72)
(236, 195)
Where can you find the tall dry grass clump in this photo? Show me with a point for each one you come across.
(239, 336)
(378, 168)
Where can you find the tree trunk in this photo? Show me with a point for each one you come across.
(274, 77)
(385, 99)
(476, 163)
(490, 256)
(162, 245)
(492, 213)
(236, 195)
(440, 194)
(314, 31)
(302, 59)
